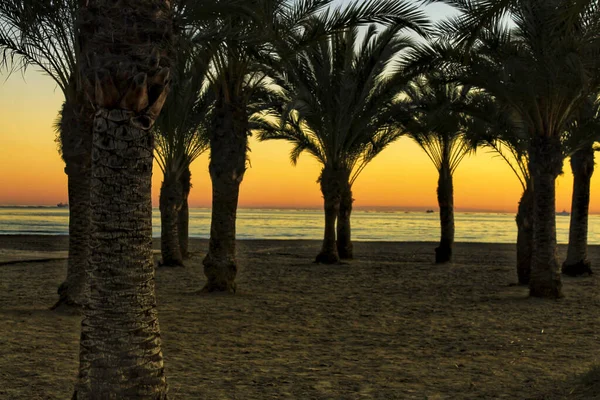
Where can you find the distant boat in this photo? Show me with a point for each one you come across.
(429, 211)
(564, 213)
(62, 205)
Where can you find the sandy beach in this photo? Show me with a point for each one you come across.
(388, 325)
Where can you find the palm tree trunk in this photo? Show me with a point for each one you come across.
(76, 141)
(120, 337)
(125, 69)
(183, 219)
(170, 201)
(344, 237)
(74, 290)
(445, 195)
(525, 236)
(577, 262)
(545, 165)
(331, 189)
(228, 144)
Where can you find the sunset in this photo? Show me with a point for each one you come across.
(401, 178)
(299, 199)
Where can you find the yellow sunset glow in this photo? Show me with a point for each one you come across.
(402, 177)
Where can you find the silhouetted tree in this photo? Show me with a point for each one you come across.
(540, 66)
(255, 45)
(181, 137)
(339, 111)
(41, 33)
(433, 115)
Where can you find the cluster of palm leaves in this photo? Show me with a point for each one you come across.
(537, 61)
(171, 80)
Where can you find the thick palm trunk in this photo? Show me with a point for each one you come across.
(344, 236)
(183, 226)
(445, 195)
(545, 166)
(577, 262)
(228, 144)
(332, 194)
(125, 69)
(120, 338)
(525, 236)
(170, 201)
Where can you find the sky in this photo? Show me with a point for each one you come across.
(402, 177)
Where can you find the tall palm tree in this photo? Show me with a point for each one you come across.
(434, 117)
(41, 33)
(181, 137)
(126, 55)
(583, 132)
(543, 67)
(256, 43)
(339, 112)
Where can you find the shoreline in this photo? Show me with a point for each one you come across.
(7, 238)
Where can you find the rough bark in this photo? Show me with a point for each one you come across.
(545, 165)
(525, 236)
(332, 195)
(582, 165)
(170, 203)
(125, 69)
(228, 143)
(183, 219)
(344, 233)
(445, 195)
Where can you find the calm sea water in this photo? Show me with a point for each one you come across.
(308, 224)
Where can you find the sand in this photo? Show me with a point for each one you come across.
(388, 325)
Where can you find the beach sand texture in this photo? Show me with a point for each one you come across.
(388, 325)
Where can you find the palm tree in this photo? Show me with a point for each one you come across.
(255, 44)
(181, 137)
(584, 130)
(125, 63)
(42, 34)
(339, 112)
(542, 69)
(503, 135)
(433, 116)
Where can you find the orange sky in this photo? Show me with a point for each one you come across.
(31, 171)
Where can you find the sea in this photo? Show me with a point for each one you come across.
(285, 224)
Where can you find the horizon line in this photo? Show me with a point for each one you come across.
(313, 208)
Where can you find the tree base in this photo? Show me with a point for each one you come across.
(546, 292)
(220, 275)
(219, 287)
(443, 255)
(327, 258)
(523, 275)
(578, 269)
(171, 263)
(65, 302)
(346, 253)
